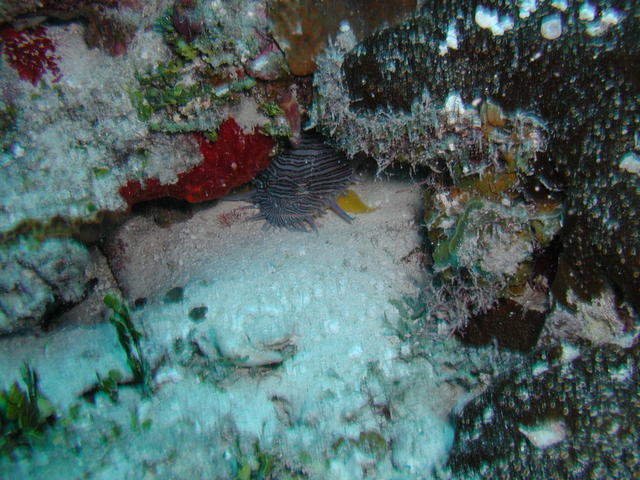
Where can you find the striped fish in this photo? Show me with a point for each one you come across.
(300, 184)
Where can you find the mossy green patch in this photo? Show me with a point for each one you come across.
(260, 465)
(271, 109)
(101, 172)
(24, 413)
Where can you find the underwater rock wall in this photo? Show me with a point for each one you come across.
(184, 103)
(110, 24)
(80, 132)
(526, 112)
(546, 91)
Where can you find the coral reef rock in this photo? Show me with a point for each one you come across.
(10, 10)
(409, 92)
(164, 107)
(35, 275)
(563, 414)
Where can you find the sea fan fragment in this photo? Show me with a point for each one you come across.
(300, 184)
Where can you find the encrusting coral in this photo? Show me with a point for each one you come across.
(561, 414)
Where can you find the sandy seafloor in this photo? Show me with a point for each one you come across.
(295, 353)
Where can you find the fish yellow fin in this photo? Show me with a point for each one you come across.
(350, 202)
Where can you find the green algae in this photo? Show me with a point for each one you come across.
(161, 88)
(260, 464)
(368, 442)
(24, 413)
(169, 101)
(271, 109)
(444, 254)
(129, 338)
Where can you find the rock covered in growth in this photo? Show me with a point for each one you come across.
(110, 24)
(603, 319)
(71, 142)
(573, 65)
(555, 418)
(219, 49)
(486, 229)
(10, 10)
(35, 275)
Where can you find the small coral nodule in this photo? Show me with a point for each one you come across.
(300, 184)
(30, 52)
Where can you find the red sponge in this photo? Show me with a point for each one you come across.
(30, 52)
(233, 159)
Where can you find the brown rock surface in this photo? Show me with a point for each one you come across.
(301, 27)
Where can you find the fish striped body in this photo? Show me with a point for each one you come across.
(301, 183)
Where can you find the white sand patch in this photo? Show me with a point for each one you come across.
(293, 351)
